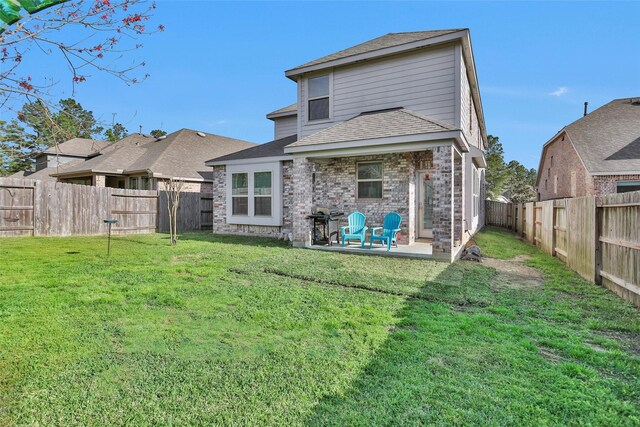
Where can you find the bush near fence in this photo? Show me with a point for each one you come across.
(598, 237)
(46, 208)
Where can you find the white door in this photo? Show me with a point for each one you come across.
(425, 205)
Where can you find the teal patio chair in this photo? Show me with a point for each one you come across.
(389, 229)
(356, 228)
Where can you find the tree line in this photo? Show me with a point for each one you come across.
(512, 180)
(37, 127)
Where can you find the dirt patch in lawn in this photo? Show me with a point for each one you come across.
(514, 274)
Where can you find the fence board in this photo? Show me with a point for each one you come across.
(599, 238)
(61, 209)
(620, 240)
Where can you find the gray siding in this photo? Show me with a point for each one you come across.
(285, 126)
(468, 114)
(423, 82)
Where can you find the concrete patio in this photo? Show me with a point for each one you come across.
(418, 250)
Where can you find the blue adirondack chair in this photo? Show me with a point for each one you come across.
(389, 229)
(356, 228)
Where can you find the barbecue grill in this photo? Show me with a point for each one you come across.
(325, 225)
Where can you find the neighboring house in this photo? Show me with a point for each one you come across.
(596, 155)
(392, 124)
(70, 152)
(143, 162)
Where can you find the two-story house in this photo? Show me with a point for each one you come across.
(598, 154)
(392, 124)
(73, 151)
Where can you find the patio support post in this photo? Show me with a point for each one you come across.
(443, 200)
(458, 200)
(302, 176)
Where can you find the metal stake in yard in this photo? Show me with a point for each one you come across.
(110, 221)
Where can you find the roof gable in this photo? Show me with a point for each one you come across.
(608, 139)
(377, 45)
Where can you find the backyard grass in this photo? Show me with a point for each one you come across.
(240, 331)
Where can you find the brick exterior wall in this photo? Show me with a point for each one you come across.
(457, 200)
(566, 166)
(335, 187)
(443, 200)
(302, 176)
(332, 184)
(607, 184)
(220, 225)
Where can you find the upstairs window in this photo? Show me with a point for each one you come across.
(318, 96)
(370, 180)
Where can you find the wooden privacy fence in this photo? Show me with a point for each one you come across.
(45, 208)
(598, 237)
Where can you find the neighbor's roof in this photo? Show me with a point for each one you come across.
(78, 147)
(289, 110)
(268, 149)
(45, 174)
(181, 154)
(373, 125)
(383, 42)
(608, 139)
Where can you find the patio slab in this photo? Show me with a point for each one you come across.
(419, 250)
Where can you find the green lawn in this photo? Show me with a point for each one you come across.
(239, 331)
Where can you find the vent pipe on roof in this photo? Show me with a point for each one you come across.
(586, 104)
(201, 134)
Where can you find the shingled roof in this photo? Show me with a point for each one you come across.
(383, 42)
(268, 149)
(289, 110)
(608, 139)
(80, 147)
(373, 125)
(181, 154)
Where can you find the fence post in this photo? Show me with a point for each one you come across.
(598, 225)
(553, 229)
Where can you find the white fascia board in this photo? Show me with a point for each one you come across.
(179, 178)
(635, 172)
(249, 161)
(294, 72)
(381, 149)
(282, 114)
(477, 155)
(369, 144)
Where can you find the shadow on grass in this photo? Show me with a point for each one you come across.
(462, 354)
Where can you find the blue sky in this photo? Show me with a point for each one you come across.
(219, 66)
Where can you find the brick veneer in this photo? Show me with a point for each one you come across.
(607, 184)
(443, 200)
(335, 187)
(220, 207)
(332, 183)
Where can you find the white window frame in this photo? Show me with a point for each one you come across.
(275, 219)
(358, 180)
(308, 98)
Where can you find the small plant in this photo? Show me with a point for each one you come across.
(173, 188)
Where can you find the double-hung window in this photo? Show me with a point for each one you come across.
(318, 98)
(262, 193)
(254, 194)
(369, 179)
(240, 193)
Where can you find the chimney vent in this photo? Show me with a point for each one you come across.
(586, 104)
